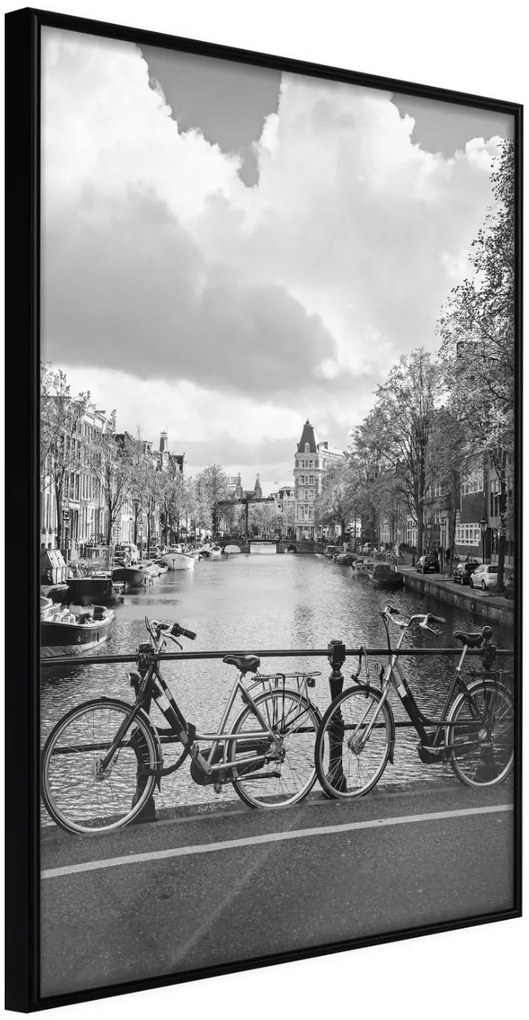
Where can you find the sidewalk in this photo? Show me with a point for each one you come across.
(486, 604)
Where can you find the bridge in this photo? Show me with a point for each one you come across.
(242, 501)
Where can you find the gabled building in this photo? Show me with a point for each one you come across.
(312, 459)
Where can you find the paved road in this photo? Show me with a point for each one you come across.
(231, 885)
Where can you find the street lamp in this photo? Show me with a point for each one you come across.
(483, 524)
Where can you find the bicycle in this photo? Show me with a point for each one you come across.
(474, 732)
(103, 759)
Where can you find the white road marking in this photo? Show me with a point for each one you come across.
(270, 837)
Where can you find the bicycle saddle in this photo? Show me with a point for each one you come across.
(244, 663)
(472, 640)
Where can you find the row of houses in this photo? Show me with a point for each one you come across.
(84, 515)
(477, 518)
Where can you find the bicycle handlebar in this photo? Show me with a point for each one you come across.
(423, 618)
(157, 627)
(178, 630)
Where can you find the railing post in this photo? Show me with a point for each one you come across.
(336, 658)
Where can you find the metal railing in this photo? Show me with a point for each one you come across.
(264, 653)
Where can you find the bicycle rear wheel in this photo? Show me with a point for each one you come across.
(288, 773)
(481, 744)
(77, 795)
(348, 763)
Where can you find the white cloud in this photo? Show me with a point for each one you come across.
(294, 294)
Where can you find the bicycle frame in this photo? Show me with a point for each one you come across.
(153, 685)
(394, 677)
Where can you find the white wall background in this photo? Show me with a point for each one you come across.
(458, 44)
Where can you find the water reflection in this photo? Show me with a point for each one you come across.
(274, 602)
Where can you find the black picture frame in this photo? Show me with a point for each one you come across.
(22, 67)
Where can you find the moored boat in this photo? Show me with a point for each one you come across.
(176, 560)
(67, 633)
(215, 552)
(345, 559)
(131, 576)
(87, 591)
(361, 568)
(331, 551)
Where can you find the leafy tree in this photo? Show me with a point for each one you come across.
(177, 502)
(211, 487)
(394, 439)
(117, 465)
(140, 463)
(266, 519)
(61, 442)
(477, 331)
(333, 504)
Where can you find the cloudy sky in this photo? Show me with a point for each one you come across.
(227, 251)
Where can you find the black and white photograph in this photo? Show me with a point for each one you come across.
(278, 510)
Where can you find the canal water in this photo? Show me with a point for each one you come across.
(249, 602)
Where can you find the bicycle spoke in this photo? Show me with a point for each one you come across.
(289, 772)
(482, 754)
(79, 796)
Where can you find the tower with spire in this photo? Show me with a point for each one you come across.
(310, 461)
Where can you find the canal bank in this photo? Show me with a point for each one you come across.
(489, 606)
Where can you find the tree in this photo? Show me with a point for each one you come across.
(177, 503)
(332, 505)
(477, 331)
(211, 487)
(395, 437)
(61, 442)
(266, 519)
(140, 462)
(117, 464)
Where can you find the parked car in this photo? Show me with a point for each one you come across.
(463, 570)
(428, 564)
(485, 576)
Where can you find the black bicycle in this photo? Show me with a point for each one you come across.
(103, 759)
(474, 732)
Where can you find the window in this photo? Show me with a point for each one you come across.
(311, 479)
(302, 480)
(468, 534)
(307, 448)
(472, 483)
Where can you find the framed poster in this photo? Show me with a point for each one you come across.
(272, 353)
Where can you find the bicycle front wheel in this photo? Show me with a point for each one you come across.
(350, 759)
(480, 745)
(284, 770)
(81, 796)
